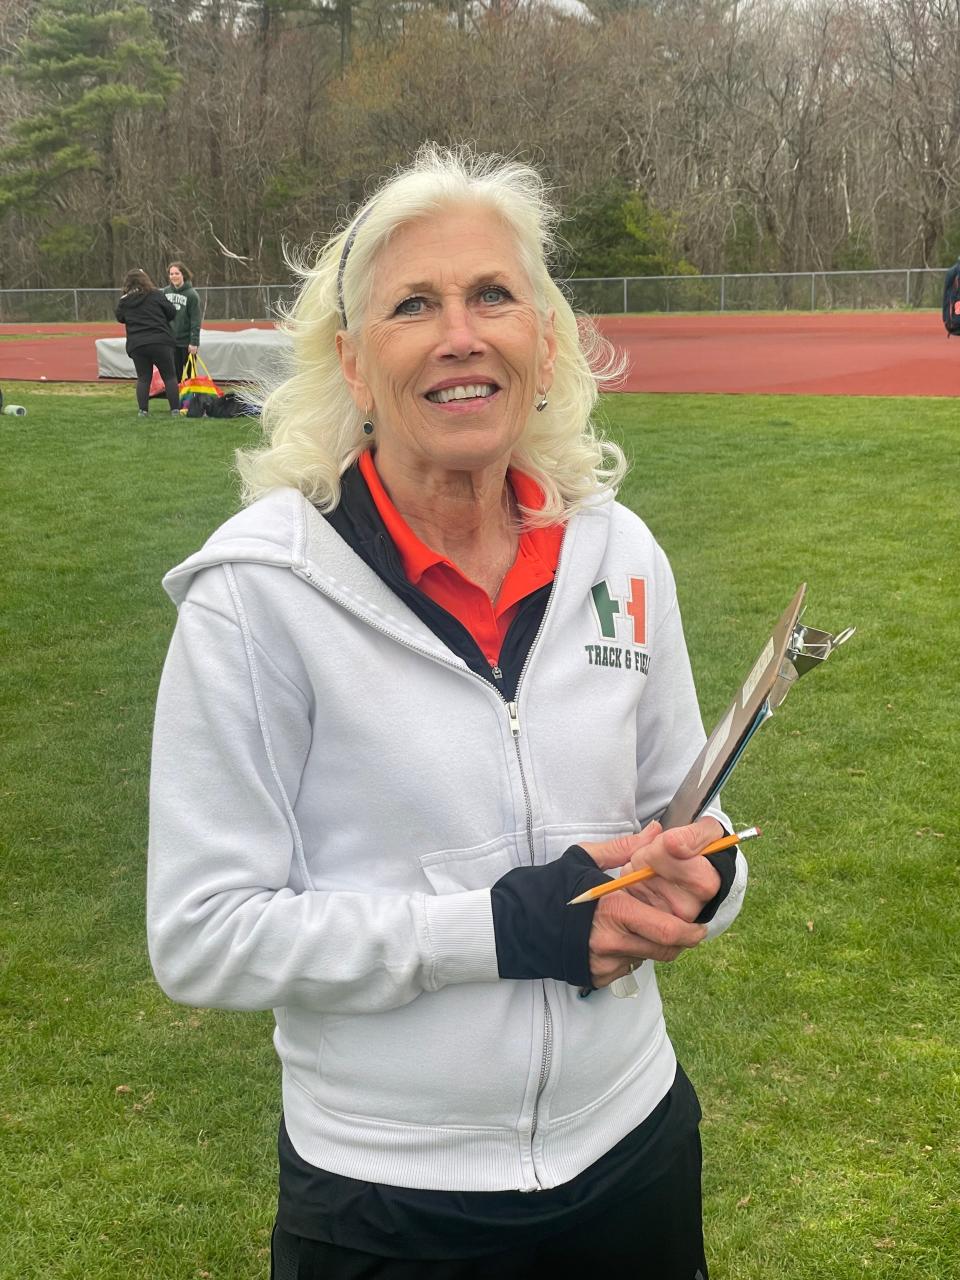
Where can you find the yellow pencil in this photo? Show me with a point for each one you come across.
(634, 877)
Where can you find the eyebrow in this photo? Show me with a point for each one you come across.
(495, 276)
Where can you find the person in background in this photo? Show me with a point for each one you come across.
(427, 687)
(951, 300)
(147, 315)
(186, 324)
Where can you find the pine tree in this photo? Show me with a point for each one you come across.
(89, 65)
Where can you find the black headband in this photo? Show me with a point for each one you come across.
(344, 255)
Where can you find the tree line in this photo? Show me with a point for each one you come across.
(679, 136)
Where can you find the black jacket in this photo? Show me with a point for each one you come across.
(147, 317)
(951, 294)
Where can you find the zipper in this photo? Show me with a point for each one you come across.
(545, 1064)
(514, 719)
(546, 1056)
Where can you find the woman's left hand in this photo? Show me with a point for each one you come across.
(685, 882)
(625, 933)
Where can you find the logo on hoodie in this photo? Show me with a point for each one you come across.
(621, 619)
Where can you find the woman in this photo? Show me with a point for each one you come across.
(186, 323)
(425, 689)
(146, 313)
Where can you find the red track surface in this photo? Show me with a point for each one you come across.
(854, 354)
(862, 353)
(66, 352)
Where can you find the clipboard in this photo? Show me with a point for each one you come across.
(789, 653)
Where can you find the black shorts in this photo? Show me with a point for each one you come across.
(656, 1234)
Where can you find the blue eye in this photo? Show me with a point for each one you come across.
(412, 306)
(493, 293)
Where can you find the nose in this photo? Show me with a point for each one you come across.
(458, 332)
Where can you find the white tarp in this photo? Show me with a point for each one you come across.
(247, 355)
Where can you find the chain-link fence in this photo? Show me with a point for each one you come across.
(793, 291)
(249, 302)
(912, 287)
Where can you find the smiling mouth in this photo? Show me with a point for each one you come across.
(469, 391)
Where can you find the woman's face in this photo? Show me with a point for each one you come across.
(175, 276)
(453, 350)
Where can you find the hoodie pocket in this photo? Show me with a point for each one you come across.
(560, 836)
(479, 867)
(456, 870)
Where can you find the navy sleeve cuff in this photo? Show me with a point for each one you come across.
(537, 935)
(725, 863)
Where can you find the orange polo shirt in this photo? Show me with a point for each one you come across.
(439, 578)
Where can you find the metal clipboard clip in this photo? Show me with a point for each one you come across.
(807, 649)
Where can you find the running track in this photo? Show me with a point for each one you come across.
(861, 353)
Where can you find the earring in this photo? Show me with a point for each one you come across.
(368, 427)
(541, 403)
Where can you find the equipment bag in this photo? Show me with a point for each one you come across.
(196, 383)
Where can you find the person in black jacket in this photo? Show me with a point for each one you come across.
(951, 296)
(147, 315)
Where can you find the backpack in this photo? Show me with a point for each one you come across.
(229, 405)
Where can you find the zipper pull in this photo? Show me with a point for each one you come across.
(496, 672)
(514, 719)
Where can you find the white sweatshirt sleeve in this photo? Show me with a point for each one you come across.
(670, 735)
(224, 927)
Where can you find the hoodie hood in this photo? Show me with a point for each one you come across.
(271, 531)
(285, 531)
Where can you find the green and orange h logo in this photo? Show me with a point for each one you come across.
(609, 607)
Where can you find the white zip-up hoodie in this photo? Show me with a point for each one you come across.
(334, 793)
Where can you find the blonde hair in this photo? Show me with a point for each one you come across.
(312, 427)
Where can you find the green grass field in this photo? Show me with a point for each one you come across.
(821, 1030)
